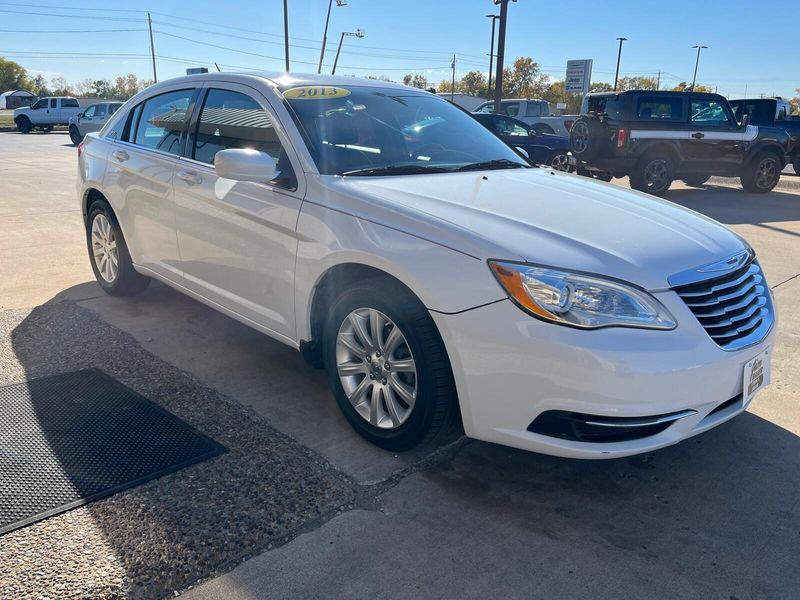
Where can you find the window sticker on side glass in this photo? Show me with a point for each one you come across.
(315, 92)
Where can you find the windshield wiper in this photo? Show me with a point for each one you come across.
(398, 170)
(497, 163)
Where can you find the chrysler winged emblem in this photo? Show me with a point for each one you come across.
(727, 264)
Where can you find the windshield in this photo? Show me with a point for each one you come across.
(386, 131)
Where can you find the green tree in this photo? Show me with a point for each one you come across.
(39, 87)
(473, 83)
(600, 86)
(102, 88)
(795, 102)
(417, 81)
(60, 87)
(637, 83)
(685, 87)
(524, 79)
(13, 76)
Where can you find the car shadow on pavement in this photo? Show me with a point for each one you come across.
(739, 208)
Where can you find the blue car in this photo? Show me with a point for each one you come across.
(542, 148)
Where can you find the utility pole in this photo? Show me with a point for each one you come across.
(152, 47)
(218, 69)
(286, 31)
(325, 33)
(359, 33)
(697, 62)
(619, 56)
(501, 46)
(491, 54)
(658, 81)
(453, 84)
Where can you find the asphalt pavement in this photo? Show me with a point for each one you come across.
(327, 515)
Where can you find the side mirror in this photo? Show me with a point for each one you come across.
(79, 115)
(745, 120)
(523, 152)
(245, 165)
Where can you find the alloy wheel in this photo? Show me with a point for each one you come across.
(376, 368)
(580, 137)
(655, 174)
(560, 162)
(104, 248)
(766, 172)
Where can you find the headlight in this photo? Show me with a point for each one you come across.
(580, 300)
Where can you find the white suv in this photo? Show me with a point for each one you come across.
(426, 266)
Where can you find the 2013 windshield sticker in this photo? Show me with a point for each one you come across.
(315, 92)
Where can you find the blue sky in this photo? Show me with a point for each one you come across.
(747, 51)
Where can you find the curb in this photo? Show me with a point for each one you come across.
(13, 128)
(787, 182)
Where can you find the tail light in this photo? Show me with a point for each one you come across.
(80, 149)
(568, 124)
(622, 138)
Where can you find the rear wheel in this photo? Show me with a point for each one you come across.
(387, 366)
(586, 137)
(24, 124)
(696, 180)
(653, 174)
(762, 173)
(75, 135)
(108, 253)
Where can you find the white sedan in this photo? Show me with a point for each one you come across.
(437, 277)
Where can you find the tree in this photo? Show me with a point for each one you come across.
(524, 79)
(795, 102)
(637, 83)
(601, 86)
(102, 88)
(685, 87)
(84, 87)
(556, 92)
(417, 81)
(60, 87)
(473, 83)
(12, 76)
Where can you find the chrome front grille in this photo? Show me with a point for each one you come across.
(735, 309)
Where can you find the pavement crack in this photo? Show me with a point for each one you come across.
(777, 285)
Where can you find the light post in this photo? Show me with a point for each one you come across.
(491, 52)
(359, 33)
(501, 48)
(696, 63)
(619, 57)
(286, 31)
(325, 34)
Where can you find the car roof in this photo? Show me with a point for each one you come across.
(660, 93)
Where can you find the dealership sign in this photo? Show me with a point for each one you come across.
(579, 76)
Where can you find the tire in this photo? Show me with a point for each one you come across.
(696, 180)
(559, 161)
(599, 175)
(762, 174)
(124, 280)
(24, 124)
(542, 128)
(382, 416)
(796, 163)
(75, 135)
(653, 174)
(47, 129)
(586, 137)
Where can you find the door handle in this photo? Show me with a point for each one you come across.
(120, 155)
(189, 177)
(698, 135)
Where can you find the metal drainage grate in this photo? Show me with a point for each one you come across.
(70, 439)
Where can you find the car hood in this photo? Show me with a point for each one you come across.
(559, 220)
(21, 109)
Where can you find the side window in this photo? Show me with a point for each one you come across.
(709, 113)
(533, 109)
(101, 110)
(485, 108)
(112, 108)
(510, 127)
(41, 103)
(53, 102)
(654, 108)
(89, 112)
(162, 121)
(233, 120)
(511, 109)
(69, 103)
(129, 132)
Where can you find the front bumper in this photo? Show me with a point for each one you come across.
(511, 368)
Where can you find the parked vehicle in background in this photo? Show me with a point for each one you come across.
(465, 101)
(46, 113)
(541, 148)
(655, 137)
(431, 271)
(91, 119)
(533, 112)
(772, 112)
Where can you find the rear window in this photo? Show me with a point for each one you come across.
(162, 120)
(654, 108)
(69, 103)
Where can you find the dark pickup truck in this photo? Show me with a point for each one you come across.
(772, 112)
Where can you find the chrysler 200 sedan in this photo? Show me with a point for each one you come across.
(435, 275)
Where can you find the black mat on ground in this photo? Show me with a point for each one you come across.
(69, 439)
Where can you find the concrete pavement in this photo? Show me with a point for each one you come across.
(715, 517)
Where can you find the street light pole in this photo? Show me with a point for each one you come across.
(501, 45)
(359, 33)
(453, 84)
(619, 57)
(325, 34)
(696, 63)
(152, 47)
(286, 31)
(491, 53)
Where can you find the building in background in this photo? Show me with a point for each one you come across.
(15, 98)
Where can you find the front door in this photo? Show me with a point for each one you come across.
(716, 142)
(238, 239)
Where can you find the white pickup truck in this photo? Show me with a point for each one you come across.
(535, 113)
(45, 113)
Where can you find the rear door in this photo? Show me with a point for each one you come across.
(716, 141)
(96, 120)
(53, 111)
(657, 119)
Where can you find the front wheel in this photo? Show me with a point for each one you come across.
(388, 367)
(24, 124)
(762, 174)
(75, 135)
(108, 253)
(560, 162)
(653, 174)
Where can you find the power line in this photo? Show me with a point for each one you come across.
(68, 30)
